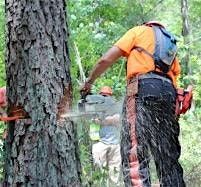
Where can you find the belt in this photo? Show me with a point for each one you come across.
(154, 76)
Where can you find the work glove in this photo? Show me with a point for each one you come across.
(85, 89)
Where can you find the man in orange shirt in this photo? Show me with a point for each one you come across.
(149, 121)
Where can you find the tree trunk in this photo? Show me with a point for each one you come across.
(186, 35)
(41, 149)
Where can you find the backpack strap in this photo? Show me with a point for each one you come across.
(141, 49)
(165, 32)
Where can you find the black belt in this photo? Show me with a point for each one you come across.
(154, 76)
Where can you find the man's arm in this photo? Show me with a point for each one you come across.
(106, 61)
(112, 120)
(109, 120)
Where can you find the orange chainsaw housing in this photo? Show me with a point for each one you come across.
(184, 100)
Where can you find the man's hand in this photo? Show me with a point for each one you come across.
(112, 120)
(85, 88)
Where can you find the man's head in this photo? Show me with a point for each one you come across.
(156, 23)
(106, 91)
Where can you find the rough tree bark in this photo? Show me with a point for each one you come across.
(186, 34)
(41, 150)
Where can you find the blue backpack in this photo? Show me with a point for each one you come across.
(165, 49)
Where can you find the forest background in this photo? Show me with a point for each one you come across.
(94, 25)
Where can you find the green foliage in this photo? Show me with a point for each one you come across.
(190, 142)
(2, 78)
(2, 45)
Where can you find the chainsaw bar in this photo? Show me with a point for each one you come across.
(82, 114)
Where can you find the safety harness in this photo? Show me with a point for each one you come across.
(132, 90)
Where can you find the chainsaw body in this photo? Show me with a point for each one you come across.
(95, 106)
(184, 100)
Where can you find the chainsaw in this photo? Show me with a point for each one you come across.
(93, 106)
(184, 100)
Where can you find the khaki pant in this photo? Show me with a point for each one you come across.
(105, 155)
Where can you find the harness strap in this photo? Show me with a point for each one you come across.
(141, 49)
(132, 89)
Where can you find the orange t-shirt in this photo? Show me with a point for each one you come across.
(140, 62)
